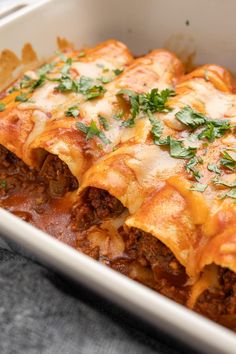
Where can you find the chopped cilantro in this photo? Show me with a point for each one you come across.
(2, 107)
(215, 129)
(231, 193)
(90, 89)
(224, 183)
(104, 80)
(3, 184)
(104, 123)
(72, 111)
(190, 117)
(65, 69)
(157, 128)
(46, 68)
(151, 102)
(214, 168)
(178, 151)
(118, 116)
(118, 71)
(91, 131)
(228, 161)
(66, 84)
(190, 167)
(21, 98)
(199, 187)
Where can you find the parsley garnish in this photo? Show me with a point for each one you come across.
(21, 98)
(104, 123)
(199, 187)
(91, 131)
(228, 161)
(214, 168)
(2, 107)
(72, 111)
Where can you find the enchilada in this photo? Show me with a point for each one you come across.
(138, 172)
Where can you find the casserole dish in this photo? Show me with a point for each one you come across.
(119, 34)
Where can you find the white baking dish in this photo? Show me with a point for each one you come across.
(186, 26)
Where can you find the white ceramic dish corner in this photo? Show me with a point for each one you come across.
(206, 27)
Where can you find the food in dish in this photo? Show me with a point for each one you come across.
(131, 161)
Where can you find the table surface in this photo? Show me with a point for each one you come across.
(41, 312)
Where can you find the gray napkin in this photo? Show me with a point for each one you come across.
(40, 312)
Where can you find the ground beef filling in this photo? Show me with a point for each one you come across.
(58, 176)
(153, 264)
(219, 303)
(145, 259)
(96, 206)
(54, 179)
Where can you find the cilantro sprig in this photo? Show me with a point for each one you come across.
(212, 128)
(92, 130)
(150, 102)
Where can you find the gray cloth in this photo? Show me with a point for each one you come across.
(41, 312)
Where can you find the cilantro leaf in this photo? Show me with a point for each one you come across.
(104, 80)
(118, 71)
(72, 111)
(177, 149)
(157, 128)
(199, 187)
(91, 131)
(214, 168)
(231, 193)
(190, 117)
(46, 68)
(65, 69)
(2, 107)
(214, 129)
(104, 123)
(228, 161)
(21, 98)
(190, 167)
(90, 89)
(224, 183)
(155, 101)
(118, 115)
